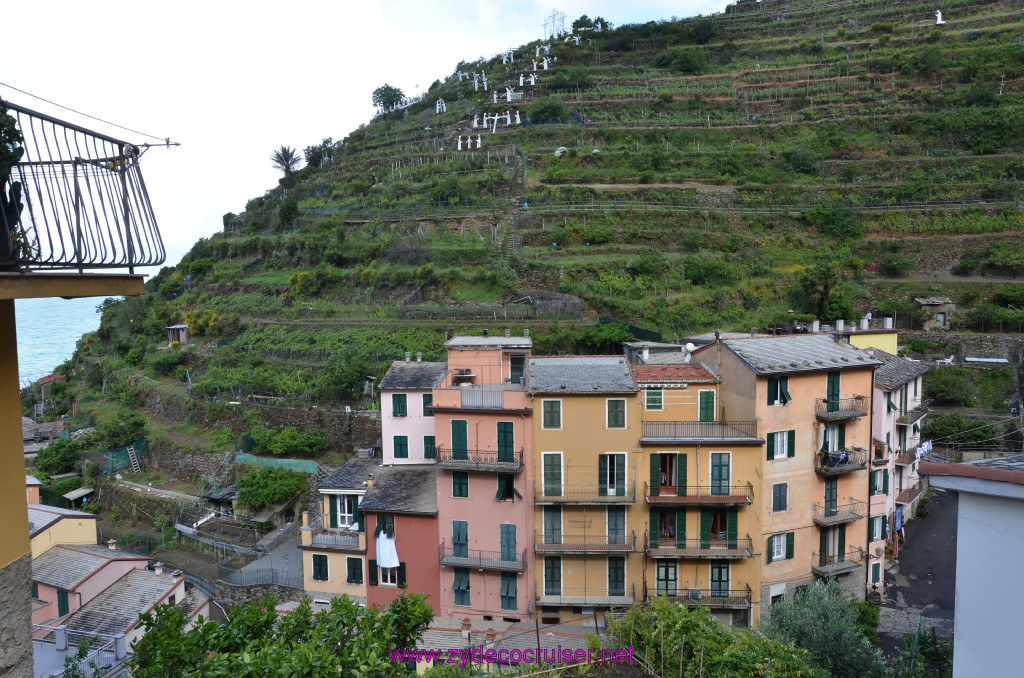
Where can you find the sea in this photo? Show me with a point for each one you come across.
(48, 330)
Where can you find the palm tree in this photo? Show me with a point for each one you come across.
(285, 159)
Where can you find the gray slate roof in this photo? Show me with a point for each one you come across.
(402, 489)
(895, 372)
(404, 375)
(797, 353)
(489, 342)
(41, 516)
(580, 374)
(352, 474)
(117, 608)
(65, 566)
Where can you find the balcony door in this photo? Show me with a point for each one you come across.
(552, 576)
(460, 439)
(720, 473)
(506, 442)
(552, 474)
(831, 496)
(833, 545)
(719, 578)
(552, 524)
(666, 578)
(616, 524)
(832, 391)
(611, 469)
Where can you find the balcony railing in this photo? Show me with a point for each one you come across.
(907, 457)
(840, 461)
(329, 537)
(909, 494)
(838, 409)
(915, 415)
(699, 431)
(710, 548)
(455, 556)
(75, 200)
(718, 597)
(584, 543)
(483, 398)
(835, 565)
(837, 515)
(584, 494)
(702, 495)
(586, 597)
(480, 460)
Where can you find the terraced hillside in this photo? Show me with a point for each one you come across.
(827, 158)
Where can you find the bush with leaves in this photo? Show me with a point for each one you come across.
(387, 96)
(692, 61)
(547, 110)
(950, 386)
(957, 428)
(289, 441)
(265, 486)
(60, 457)
(122, 429)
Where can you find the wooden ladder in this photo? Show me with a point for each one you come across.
(133, 458)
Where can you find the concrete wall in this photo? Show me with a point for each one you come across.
(15, 622)
(181, 464)
(415, 425)
(989, 597)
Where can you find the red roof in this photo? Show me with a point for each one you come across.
(684, 373)
(51, 377)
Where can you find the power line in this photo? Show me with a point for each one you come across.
(93, 117)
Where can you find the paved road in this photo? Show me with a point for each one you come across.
(923, 583)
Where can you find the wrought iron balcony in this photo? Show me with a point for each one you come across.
(480, 460)
(584, 494)
(837, 515)
(915, 415)
(835, 565)
(569, 544)
(586, 597)
(838, 409)
(739, 432)
(74, 200)
(456, 556)
(709, 548)
(702, 495)
(722, 598)
(344, 538)
(840, 461)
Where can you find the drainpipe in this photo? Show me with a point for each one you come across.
(871, 444)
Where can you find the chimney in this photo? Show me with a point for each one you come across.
(305, 518)
(489, 638)
(753, 331)
(508, 332)
(887, 323)
(864, 323)
(466, 626)
(419, 356)
(718, 335)
(840, 325)
(526, 333)
(815, 326)
(158, 567)
(369, 480)
(408, 356)
(177, 574)
(112, 545)
(645, 352)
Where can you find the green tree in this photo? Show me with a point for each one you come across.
(818, 283)
(822, 619)
(547, 110)
(605, 336)
(690, 61)
(11, 149)
(60, 457)
(957, 428)
(265, 486)
(315, 155)
(285, 159)
(950, 386)
(583, 22)
(123, 429)
(387, 96)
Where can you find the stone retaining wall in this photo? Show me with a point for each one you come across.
(973, 345)
(231, 595)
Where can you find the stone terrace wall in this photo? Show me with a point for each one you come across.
(974, 345)
(183, 465)
(230, 595)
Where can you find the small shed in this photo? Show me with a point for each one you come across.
(177, 333)
(939, 311)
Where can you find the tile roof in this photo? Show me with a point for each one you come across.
(489, 342)
(1002, 469)
(692, 372)
(410, 374)
(352, 474)
(193, 602)
(797, 353)
(894, 371)
(402, 489)
(580, 374)
(41, 516)
(65, 566)
(117, 608)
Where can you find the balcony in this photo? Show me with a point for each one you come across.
(570, 544)
(480, 460)
(694, 432)
(836, 565)
(734, 599)
(826, 516)
(841, 408)
(586, 597)
(913, 416)
(702, 495)
(840, 461)
(584, 494)
(450, 556)
(343, 539)
(909, 494)
(711, 549)
(907, 457)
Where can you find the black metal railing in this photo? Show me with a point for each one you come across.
(75, 200)
(699, 430)
(911, 417)
(701, 547)
(456, 556)
(835, 515)
(584, 494)
(552, 542)
(841, 408)
(701, 494)
(830, 565)
(698, 596)
(586, 597)
(510, 461)
(840, 461)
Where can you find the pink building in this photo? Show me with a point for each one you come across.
(67, 577)
(483, 425)
(407, 420)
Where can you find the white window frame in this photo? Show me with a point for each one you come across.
(781, 445)
(778, 547)
(609, 482)
(782, 510)
(714, 409)
(877, 533)
(387, 576)
(347, 519)
(625, 415)
(832, 437)
(561, 414)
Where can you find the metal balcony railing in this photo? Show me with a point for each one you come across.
(74, 200)
(835, 515)
(330, 537)
(841, 408)
(456, 556)
(480, 460)
(551, 543)
(584, 494)
(586, 597)
(701, 495)
(836, 564)
(716, 597)
(840, 461)
(715, 548)
(697, 431)
(911, 417)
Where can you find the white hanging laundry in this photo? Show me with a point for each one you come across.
(387, 553)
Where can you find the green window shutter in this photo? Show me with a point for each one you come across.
(428, 402)
(823, 548)
(35, 590)
(616, 414)
(871, 483)
(552, 475)
(653, 536)
(460, 484)
(552, 414)
(319, 567)
(429, 449)
(655, 398)
(885, 482)
(707, 406)
(768, 550)
(616, 576)
(680, 527)
(502, 486)
(832, 390)
(842, 436)
(885, 526)
(771, 446)
(333, 503)
(399, 407)
(460, 438)
(681, 475)
(401, 576)
(389, 526)
(917, 428)
(508, 542)
(891, 406)
(602, 474)
(401, 447)
(655, 475)
(842, 542)
(773, 387)
(732, 527)
(790, 538)
(915, 386)
(357, 515)
(791, 443)
(372, 572)
(506, 439)
(876, 571)
(784, 390)
(705, 528)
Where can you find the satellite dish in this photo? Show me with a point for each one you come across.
(690, 347)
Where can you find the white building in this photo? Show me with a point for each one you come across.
(407, 417)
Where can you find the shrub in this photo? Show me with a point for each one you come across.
(547, 110)
(265, 486)
(895, 265)
(60, 457)
(662, 59)
(958, 428)
(123, 429)
(949, 386)
(166, 362)
(1011, 295)
(919, 346)
(690, 62)
(134, 357)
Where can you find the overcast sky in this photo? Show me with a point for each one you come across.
(231, 81)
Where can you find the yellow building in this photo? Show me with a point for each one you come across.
(586, 418)
(49, 526)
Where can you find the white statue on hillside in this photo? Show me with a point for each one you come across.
(520, 79)
(533, 77)
(517, 117)
(460, 142)
(478, 141)
(495, 93)
(938, 17)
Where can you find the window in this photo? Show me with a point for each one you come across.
(388, 576)
(399, 406)
(172, 599)
(401, 447)
(552, 474)
(428, 403)
(655, 399)
(506, 442)
(835, 438)
(878, 482)
(355, 570)
(616, 576)
(516, 368)
(460, 538)
(507, 487)
(460, 585)
(878, 528)
(780, 546)
(509, 591)
(62, 603)
(345, 510)
(916, 382)
(778, 391)
(460, 484)
(781, 444)
(668, 469)
(611, 470)
(552, 576)
(706, 406)
(429, 450)
(35, 590)
(720, 463)
(552, 417)
(780, 496)
(319, 567)
(386, 525)
(666, 524)
(876, 573)
(616, 524)
(665, 577)
(616, 415)
(940, 319)
(508, 542)
(552, 524)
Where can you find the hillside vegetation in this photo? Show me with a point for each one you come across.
(823, 158)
